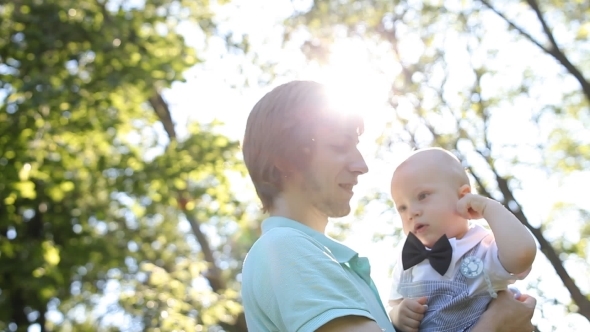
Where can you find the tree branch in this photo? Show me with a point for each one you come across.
(515, 27)
(213, 274)
(163, 112)
(554, 50)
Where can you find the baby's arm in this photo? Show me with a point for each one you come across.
(516, 246)
(406, 314)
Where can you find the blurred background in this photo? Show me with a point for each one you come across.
(124, 201)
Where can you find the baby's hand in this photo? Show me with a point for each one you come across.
(409, 314)
(472, 206)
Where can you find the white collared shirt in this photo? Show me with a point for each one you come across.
(488, 253)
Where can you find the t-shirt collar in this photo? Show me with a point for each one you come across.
(342, 253)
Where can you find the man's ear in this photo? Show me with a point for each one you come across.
(283, 166)
(464, 189)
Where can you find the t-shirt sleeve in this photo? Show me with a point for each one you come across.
(302, 286)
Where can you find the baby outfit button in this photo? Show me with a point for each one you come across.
(471, 267)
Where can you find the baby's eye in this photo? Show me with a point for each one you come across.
(422, 196)
(401, 209)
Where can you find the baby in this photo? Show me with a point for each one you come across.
(448, 269)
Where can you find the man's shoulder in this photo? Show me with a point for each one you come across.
(281, 241)
(281, 237)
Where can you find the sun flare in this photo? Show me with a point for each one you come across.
(353, 84)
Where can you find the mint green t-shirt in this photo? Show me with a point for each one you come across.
(297, 279)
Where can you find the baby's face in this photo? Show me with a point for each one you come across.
(426, 200)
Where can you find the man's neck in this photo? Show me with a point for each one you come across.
(291, 208)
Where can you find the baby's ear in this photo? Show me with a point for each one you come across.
(464, 189)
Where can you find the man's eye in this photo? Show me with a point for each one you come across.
(339, 148)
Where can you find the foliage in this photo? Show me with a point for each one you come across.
(93, 200)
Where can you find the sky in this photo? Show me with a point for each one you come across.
(350, 69)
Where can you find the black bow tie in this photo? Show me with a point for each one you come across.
(439, 256)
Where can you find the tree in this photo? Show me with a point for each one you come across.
(97, 197)
(466, 87)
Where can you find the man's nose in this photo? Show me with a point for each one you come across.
(358, 164)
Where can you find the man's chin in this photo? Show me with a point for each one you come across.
(339, 213)
(333, 210)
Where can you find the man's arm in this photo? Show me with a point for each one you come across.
(506, 314)
(350, 324)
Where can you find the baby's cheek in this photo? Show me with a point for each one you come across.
(406, 227)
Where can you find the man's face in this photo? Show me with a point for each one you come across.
(427, 203)
(332, 172)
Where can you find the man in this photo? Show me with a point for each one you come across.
(303, 159)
